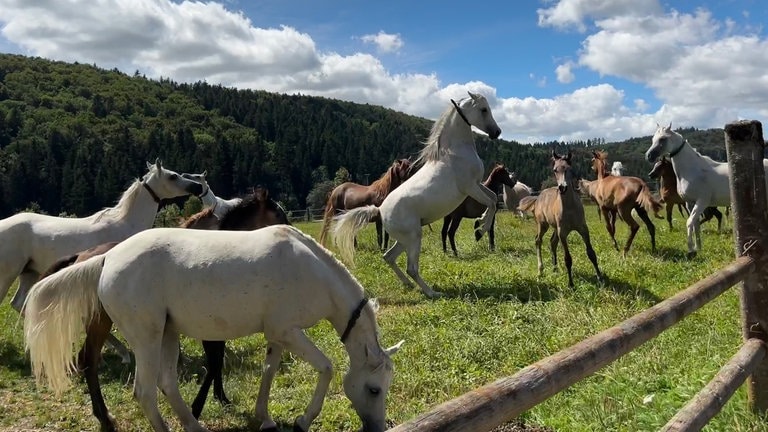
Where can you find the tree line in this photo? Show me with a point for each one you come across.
(73, 136)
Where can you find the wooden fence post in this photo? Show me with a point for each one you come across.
(744, 145)
(309, 214)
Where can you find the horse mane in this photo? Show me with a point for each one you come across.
(431, 151)
(123, 206)
(383, 185)
(196, 217)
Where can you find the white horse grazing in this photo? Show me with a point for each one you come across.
(700, 180)
(220, 205)
(30, 243)
(213, 285)
(451, 171)
(617, 169)
(513, 195)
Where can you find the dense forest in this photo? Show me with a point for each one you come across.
(73, 136)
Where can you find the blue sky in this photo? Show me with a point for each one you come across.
(554, 69)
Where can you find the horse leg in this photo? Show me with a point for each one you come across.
(390, 257)
(610, 225)
(88, 361)
(553, 248)
(670, 206)
(26, 280)
(562, 235)
(543, 227)
(272, 365)
(444, 232)
(492, 235)
(379, 236)
(486, 197)
(148, 356)
(169, 382)
(412, 251)
(584, 233)
(214, 359)
(453, 226)
(648, 224)
(693, 226)
(120, 349)
(295, 341)
(386, 240)
(625, 213)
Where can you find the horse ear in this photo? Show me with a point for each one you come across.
(261, 193)
(394, 348)
(159, 164)
(670, 126)
(149, 165)
(205, 173)
(555, 155)
(474, 96)
(568, 157)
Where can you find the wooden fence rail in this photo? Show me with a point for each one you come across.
(489, 406)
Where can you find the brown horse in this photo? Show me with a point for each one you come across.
(560, 207)
(347, 196)
(624, 194)
(665, 173)
(256, 211)
(470, 208)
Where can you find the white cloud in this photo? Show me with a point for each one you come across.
(574, 13)
(385, 42)
(564, 73)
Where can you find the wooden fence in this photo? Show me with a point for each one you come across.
(489, 406)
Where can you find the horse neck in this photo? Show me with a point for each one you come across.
(210, 199)
(601, 173)
(136, 210)
(363, 334)
(383, 186)
(460, 133)
(685, 159)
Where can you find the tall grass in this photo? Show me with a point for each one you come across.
(497, 316)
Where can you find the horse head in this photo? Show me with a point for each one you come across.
(598, 162)
(562, 169)
(500, 175)
(200, 178)
(164, 183)
(664, 141)
(476, 112)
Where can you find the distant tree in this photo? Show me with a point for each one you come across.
(342, 176)
(318, 196)
(169, 216)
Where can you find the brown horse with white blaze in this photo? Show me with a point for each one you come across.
(623, 194)
(349, 195)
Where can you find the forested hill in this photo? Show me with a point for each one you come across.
(73, 136)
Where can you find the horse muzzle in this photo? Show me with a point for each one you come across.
(495, 133)
(653, 153)
(194, 188)
(562, 188)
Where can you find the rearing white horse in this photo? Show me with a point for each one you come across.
(700, 180)
(220, 205)
(30, 243)
(451, 171)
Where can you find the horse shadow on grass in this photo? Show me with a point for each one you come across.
(671, 254)
(251, 423)
(521, 289)
(625, 288)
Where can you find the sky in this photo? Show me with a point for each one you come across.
(551, 69)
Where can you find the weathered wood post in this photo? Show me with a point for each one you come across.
(744, 144)
(309, 214)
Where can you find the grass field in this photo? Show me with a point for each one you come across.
(497, 317)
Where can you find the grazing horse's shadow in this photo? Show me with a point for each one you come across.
(522, 289)
(623, 287)
(671, 254)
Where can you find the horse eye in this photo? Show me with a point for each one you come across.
(374, 391)
(484, 110)
(173, 176)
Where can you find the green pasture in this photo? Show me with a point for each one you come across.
(497, 317)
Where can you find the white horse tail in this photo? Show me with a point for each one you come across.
(649, 203)
(527, 204)
(55, 313)
(347, 226)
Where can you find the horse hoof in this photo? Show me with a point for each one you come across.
(691, 255)
(224, 401)
(297, 428)
(434, 294)
(478, 235)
